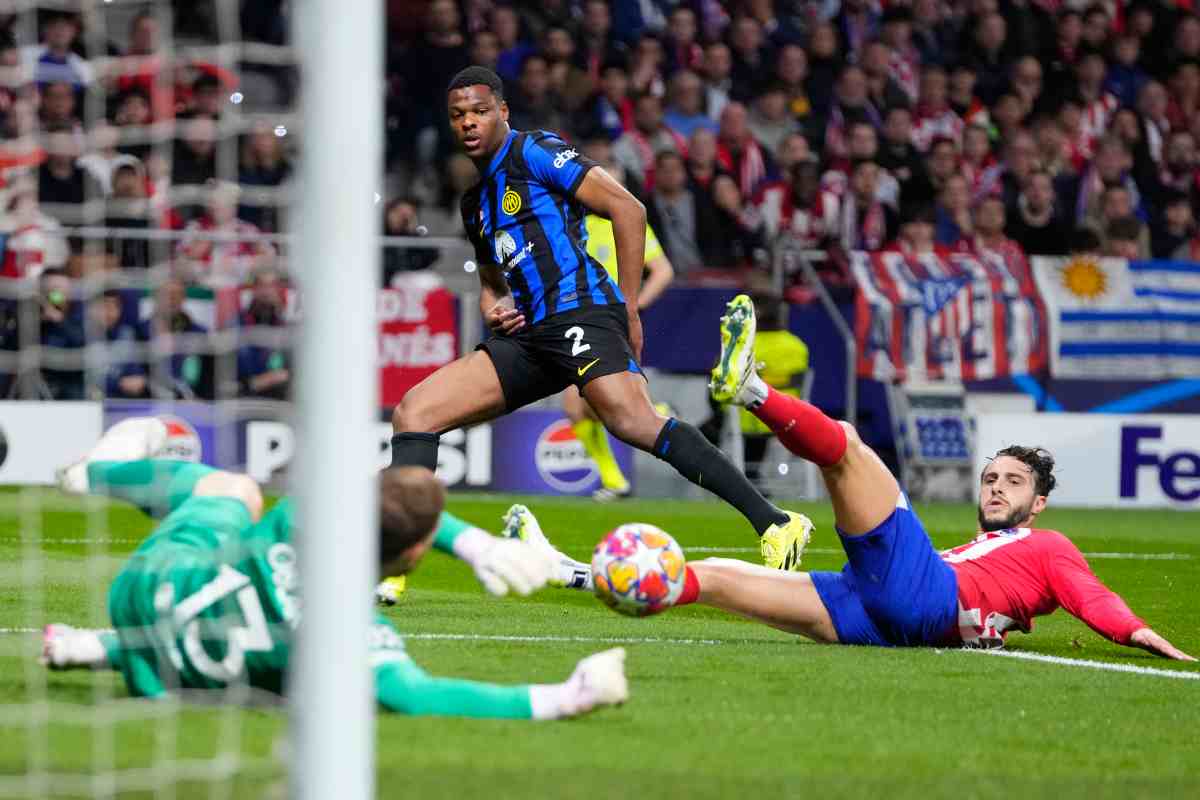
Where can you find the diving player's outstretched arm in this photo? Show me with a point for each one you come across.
(404, 687)
(1084, 596)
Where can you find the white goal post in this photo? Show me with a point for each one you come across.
(332, 700)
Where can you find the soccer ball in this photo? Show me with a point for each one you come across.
(638, 569)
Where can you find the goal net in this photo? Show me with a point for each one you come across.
(148, 173)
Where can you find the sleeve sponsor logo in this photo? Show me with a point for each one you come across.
(564, 156)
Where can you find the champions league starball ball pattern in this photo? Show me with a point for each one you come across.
(638, 570)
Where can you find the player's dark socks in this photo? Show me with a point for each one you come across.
(415, 450)
(683, 447)
(803, 428)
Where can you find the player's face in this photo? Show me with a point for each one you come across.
(479, 120)
(1007, 497)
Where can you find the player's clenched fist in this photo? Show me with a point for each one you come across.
(598, 680)
(503, 319)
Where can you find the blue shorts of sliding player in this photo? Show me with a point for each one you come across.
(895, 590)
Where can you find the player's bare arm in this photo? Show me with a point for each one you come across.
(1147, 639)
(601, 193)
(496, 302)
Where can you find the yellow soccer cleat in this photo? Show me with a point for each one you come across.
(736, 363)
(389, 589)
(783, 545)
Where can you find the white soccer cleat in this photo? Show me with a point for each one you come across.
(66, 647)
(129, 440)
(520, 523)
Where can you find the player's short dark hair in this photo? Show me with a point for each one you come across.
(1037, 459)
(477, 76)
(410, 501)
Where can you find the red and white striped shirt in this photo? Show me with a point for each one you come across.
(1094, 123)
(930, 125)
(1006, 578)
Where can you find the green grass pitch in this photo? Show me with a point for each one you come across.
(719, 707)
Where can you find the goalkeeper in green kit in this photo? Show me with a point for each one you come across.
(212, 598)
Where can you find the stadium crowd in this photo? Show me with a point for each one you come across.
(1017, 127)
(1031, 127)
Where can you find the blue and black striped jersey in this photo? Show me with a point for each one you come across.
(523, 217)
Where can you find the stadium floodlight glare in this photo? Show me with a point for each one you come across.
(331, 694)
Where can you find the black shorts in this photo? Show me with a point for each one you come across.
(573, 347)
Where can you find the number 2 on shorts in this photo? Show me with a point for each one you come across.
(577, 346)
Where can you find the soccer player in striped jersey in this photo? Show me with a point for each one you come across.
(212, 597)
(556, 317)
(896, 590)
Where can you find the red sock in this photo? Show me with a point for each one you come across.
(691, 588)
(803, 428)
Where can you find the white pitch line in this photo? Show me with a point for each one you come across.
(1079, 662)
(1018, 654)
(485, 637)
(1142, 556)
(822, 550)
(837, 551)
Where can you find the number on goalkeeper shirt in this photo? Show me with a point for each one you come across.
(253, 636)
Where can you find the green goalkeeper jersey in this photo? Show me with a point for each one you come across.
(212, 599)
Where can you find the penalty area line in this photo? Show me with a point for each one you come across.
(1087, 664)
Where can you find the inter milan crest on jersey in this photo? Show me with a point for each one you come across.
(511, 202)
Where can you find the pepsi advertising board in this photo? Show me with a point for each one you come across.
(531, 451)
(1107, 460)
(535, 451)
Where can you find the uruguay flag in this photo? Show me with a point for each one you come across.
(1126, 320)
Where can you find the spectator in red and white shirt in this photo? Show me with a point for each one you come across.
(800, 208)
(635, 150)
(33, 241)
(740, 154)
(864, 222)
(989, 239)
(219, 261)
(934, 117)
(977, 158)
(1098, 105)
(896, 33)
